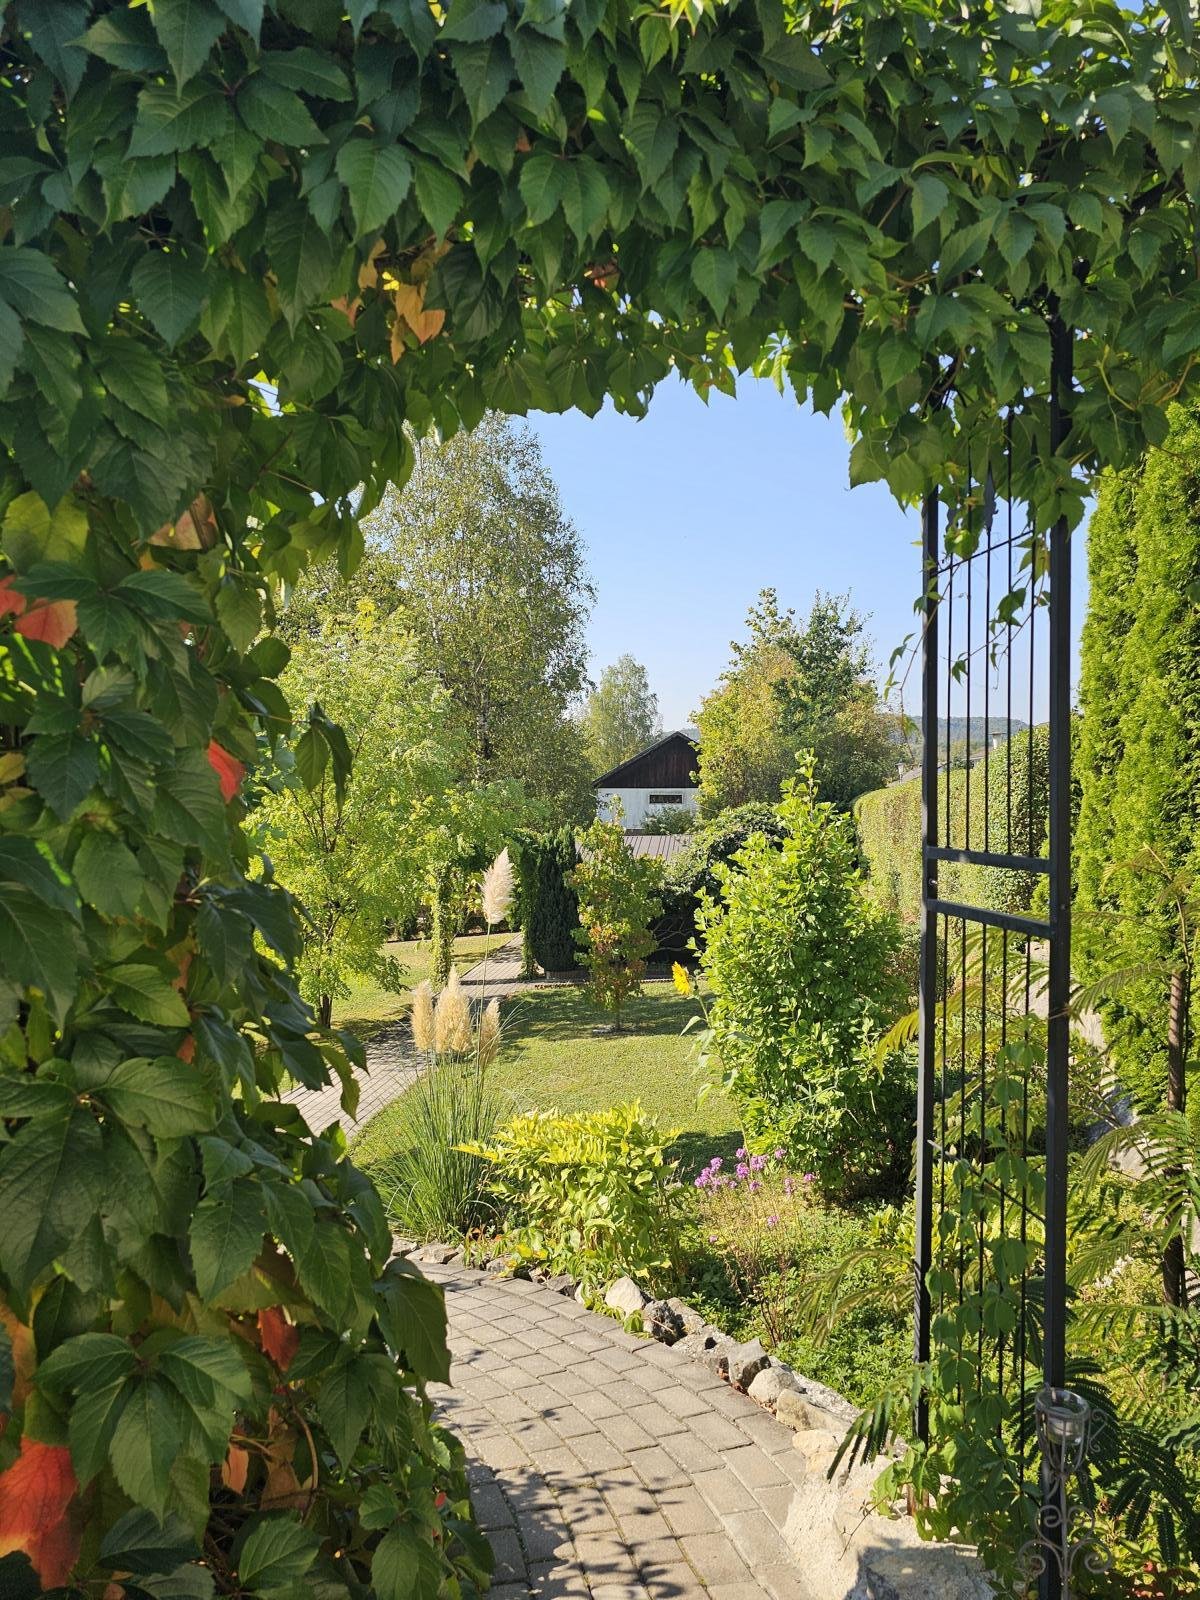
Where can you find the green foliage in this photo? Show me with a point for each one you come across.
(1013, 783)
(618, 902)
(790, 689)
(548, 904)
(592, 1193)
(242, 251)
(669, 819)
(1139, 745)
(620, 717)
(476, 559)
(355, 855)
(799, 963)
(431, 1187)
(692, 873)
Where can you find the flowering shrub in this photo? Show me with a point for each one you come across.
(593, 1193)
(751, 1214)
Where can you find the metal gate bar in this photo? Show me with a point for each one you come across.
(950, 1135)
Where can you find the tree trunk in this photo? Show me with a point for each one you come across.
(1173, 1267)
(443, 930)
(325, 1010)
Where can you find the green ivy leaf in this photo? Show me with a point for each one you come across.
(377, 179)
(108, 876)
(344, 1406)
(714, 272)
(226, 1235)
(301, 256)
(273, 1551)
(139, 1543)
(484, 72)
(540, 63)
(64, 767)
(168, 122)
(126, 39)
(146, 1441)
(51, 1178)
(440, 195)
(33, 288)
(169, 288)
(308, 70)
(187, 31)
(274, 112)
(412, 1313)
(165, 1095)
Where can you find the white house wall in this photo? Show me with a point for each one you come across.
(635, 803)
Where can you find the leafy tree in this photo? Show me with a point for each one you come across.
(801, 969)
(353, 852)
(1139, 752)
(618, 901)
(489, 576)
(620, 716)
(243, 250)
(788, 689)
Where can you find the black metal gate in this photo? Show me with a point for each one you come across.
(995, 941)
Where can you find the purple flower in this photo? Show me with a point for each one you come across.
(755, 1187)
(780, 1153)
(757, 1163)
(789, 1186)
(715, 1163)
(702, 1181)
(772, 1222)
(743, 1171)
(712, 1238)
(741, 1155)
(810, 1177)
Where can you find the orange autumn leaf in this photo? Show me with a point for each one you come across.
(235, 1467)
(187, 1049)
(229, 771)
(36, 1514)
(410, 304)
(349, 308)
(51, 621)
(195, 529)
(278, 1336)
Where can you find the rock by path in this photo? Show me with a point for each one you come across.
(607, 1466)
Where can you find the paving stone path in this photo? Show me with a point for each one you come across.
(607, 1466)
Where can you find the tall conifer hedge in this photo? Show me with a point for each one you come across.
(1139, 747)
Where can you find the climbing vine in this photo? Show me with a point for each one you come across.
(246, 250)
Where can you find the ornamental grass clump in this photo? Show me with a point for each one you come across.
(752, 1215)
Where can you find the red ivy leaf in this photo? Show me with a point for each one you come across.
(277, 1336)
(229, 772)
(36, 1512)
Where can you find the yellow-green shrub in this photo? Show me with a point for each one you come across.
(592, 1193)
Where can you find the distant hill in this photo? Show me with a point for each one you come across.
(967, 735)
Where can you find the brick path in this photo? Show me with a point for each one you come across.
(605, 1465)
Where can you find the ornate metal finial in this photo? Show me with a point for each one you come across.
(1066, 1531)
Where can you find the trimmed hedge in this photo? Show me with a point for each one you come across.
(1139, 747)
(888, 822)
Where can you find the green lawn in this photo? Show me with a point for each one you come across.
(551, 1059)
(368, 1007)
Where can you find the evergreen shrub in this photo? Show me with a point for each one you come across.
(548, 905)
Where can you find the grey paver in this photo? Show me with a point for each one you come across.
(604, 1467)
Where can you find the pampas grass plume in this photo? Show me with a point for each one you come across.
(452, 1018)
(422, 1017)
(498, 890)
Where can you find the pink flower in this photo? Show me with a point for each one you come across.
(779, 1153)
(810, 1177)
(772, 1222)
(712, 1238)
(715, 1164)
(757, 1163)
(755, 1187)
(741, 1155)
(789, 1186)
(743, 1171)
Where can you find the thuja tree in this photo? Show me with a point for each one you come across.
(618, 902)
(242, 246)
(1139, 757)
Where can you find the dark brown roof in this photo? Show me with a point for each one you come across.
(669, 763)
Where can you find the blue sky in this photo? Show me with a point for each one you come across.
(690, 512)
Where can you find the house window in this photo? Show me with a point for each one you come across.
(666, 799)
